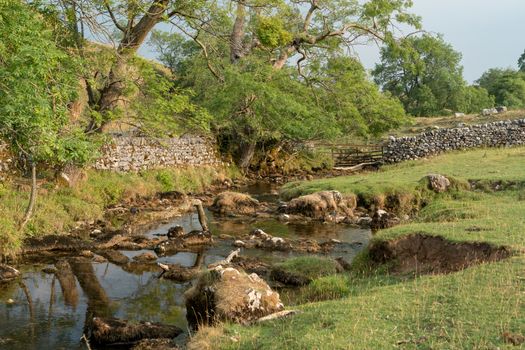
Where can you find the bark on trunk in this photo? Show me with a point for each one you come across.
(32, 197)
(237, 36)
(247, 153)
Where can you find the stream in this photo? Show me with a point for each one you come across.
(47, 311)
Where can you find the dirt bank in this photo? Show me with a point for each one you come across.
(425, 254)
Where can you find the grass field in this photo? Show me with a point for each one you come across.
(481, 307)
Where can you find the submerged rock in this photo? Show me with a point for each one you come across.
(145, 257)
(229, 294)
(112, 331)
(233, 203)
(8, 273)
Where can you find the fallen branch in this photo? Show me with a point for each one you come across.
(277, 315)
(226, 261)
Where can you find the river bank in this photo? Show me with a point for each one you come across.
(417, 298)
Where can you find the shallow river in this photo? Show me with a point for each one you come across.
(46, 312)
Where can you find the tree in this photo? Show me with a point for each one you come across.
(37, 82)
(473, 99)
(521, 62)
(277, 30)
(424, 72)
(250, 54)
(506, 85)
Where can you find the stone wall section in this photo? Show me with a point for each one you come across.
(497, 134)
(139, 153)
(6, 160)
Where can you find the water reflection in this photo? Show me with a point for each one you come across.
(50, 310)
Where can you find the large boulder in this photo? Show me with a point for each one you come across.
(229, 294)
(8, 273)
(321, 204)
(438, 183)
(233, 203)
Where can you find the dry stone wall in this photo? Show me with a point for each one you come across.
(139, 153)
(6, 160)
(496, 134)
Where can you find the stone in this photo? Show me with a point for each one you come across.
(145, 257)
(234, 203)
(8, 273)
(438, 183)
(228, 294)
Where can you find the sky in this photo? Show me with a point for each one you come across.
(488, 33)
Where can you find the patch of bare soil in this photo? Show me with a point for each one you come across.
(425, 254)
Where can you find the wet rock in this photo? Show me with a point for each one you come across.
(239, 243)
(364, 221)
(87, 254)
(66, 243)
(99, 259)
(382, 220)
(251, 265)
(179, 273)
(289, 278)
(112, 331)
(145, 257)
(115, 257)
(49, 270)
(8, 273)
(230, 294)
(191, 240)
(233, 203)
(438, 183)
(175, 232)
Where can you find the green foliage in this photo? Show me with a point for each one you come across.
(521, 62)
(506, 85)
(271, 32)
(37, 82)
(473, 99)
(425, 74)
(159, 107)
(355, 103)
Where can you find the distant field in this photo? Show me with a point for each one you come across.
(421, 124)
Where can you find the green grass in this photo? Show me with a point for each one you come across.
(310, 267)
(465, 310)
(372, 309)
(59, 209)
(481, 164)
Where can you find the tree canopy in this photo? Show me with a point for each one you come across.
(37, 83)
(506, 85)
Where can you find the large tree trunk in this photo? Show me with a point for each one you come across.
(134, 37)
(32, 197)
(237, 36)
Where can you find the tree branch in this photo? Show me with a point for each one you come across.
(113, 18)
